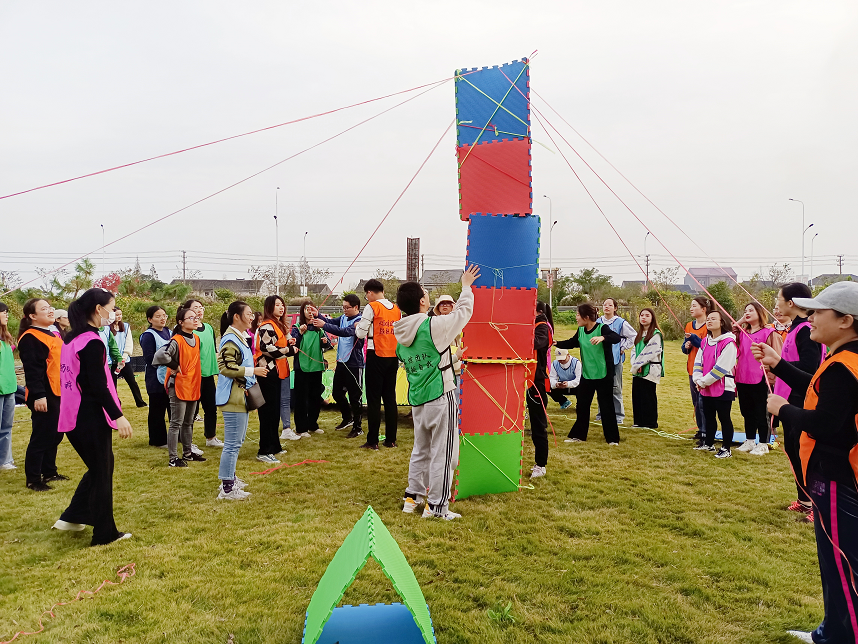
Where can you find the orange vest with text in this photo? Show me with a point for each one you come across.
(701, 332)
(849, 360)
(383, 340)
(190, 373)
(55, 345)
(282, 341)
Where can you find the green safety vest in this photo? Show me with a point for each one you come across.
(422, 366)
(593, 362)
(639, 346)
(208, 355)
(8, 380)
(310, 356)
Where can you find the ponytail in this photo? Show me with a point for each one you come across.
(29, 309)
(226, 320)
(83, 308)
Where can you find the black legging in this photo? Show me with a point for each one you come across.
(269, 414)
(127, 374)
(752, 405)
(207, 402)
(603, 389)
(536, 405)
(307, 400)
(718, 407)
(380, 385)
(41, 458)
(644, 402)
(347, 380)
(159, 407)
(792, 447)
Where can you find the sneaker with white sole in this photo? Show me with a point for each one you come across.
(289, 435)
(214, 442)
(747, 446)
(701, 447)
(198, 419)
(267, 458)
(304, 435)
(237, 483)
(537, 471)
(613, 444)
(410, 504)
(344, 425)
(8, 466)
(317, 431)
(802, 636)
(233, 495)
(724, 452)
(196, 450)
(70, 527)
(448, 516)
(573, 440)
(760, 450)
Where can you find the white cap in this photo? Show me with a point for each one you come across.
(561, 354)
(60, 313)
(441, 300)
(840, 296)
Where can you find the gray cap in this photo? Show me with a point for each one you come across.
(840, 296)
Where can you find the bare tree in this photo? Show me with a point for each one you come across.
(780, 275)
(9, 280)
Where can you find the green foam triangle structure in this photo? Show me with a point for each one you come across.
(369, 538)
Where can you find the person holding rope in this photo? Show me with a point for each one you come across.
(208, 365)
(647, 370)
(376, 325)
(152, 339)
(311, 343)
(348, 376)
(125, 344)
(89, 412)
(751, 386)
(695, 332)
(827, 422)
(537, 400)
(713, 376)
(627, 335)
(595, 340)
(806, 354)
(424, 348)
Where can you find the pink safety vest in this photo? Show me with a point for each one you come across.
(748, 370)
(790, 354)
(710, 357)
(69, 371)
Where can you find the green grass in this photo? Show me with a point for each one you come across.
(649, 542)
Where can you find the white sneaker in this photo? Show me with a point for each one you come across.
(289, 435)
(198, 419)
(123, 536)
(760, 450)
(409, 505)
(747, 446)
(801, 635)
(233, 495)
(8, 466)
(239, 483)
(449, 516)
(214, 442)
(70, 527)
(613, 444)
(304, 435)
(196, 450)
(573, 440)
(318, 431)
(537, 471)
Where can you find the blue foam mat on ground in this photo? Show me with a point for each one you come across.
(506, 248)
(739, 437)
(473, 106)
(371, 624)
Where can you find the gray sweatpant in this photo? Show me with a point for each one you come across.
(436, 452)
(182, 414)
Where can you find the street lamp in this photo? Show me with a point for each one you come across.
(810, 280)
(809, 226)
(103, 269)
(276, 244)
(550, 258)
(803, 229)
(646, 255)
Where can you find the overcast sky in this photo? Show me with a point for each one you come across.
(719, 112)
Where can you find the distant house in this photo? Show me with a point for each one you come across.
(318, 289)
(830, 278)
(639, 284)
(707, 276)
(439, 279)
(397, 282)
(207, 288)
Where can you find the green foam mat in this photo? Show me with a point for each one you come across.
(488, 464)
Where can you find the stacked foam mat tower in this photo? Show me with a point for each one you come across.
(496, 199)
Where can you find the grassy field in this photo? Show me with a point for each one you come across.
(648, 542)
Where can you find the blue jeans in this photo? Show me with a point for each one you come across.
(7, 418)
(234, 431)
(285, 402)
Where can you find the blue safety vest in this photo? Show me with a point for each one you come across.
(615, 325)
(345, 344)
(224, 384)
(567, 374)
(159, 342)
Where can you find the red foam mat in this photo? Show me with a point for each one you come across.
(492, 399)
(495, 178)
(501, 327)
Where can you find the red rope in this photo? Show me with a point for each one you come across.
(123, 573)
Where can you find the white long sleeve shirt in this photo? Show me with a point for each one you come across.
(555, 379)
(723, 368)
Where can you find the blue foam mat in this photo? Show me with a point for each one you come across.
(506, 248)
(371, 624)
(739, 437)
(473, 106)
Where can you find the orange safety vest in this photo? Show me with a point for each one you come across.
(190, 373)
(849, 360)
(383, 340)
(282, 341)
(701, 332)
(55, 346)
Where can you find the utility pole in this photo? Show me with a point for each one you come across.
(422, 266)
(184, 267)
(840, 263)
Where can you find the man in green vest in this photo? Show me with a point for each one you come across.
(424, 349)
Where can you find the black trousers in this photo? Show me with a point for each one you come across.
(159, 406)
(537, 401)
(207, 402)
(718, 408)
(559, 395)
(41, 457)
(380, 378)
(603, 389)
(92, 503)
(644, 402)
(307, 400)
(127, 374)
(752, 405)
(347, 392)
(836, 508)
(792, 447)
(269, 414)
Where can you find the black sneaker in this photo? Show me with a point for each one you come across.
(699, 445)
(178, 462)
(55, 477)
(368, 446)
(389, 443)
(355, 433)
(344, 424)
(724, 452)
(38, 486)
(141, 404)
(194, 457)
